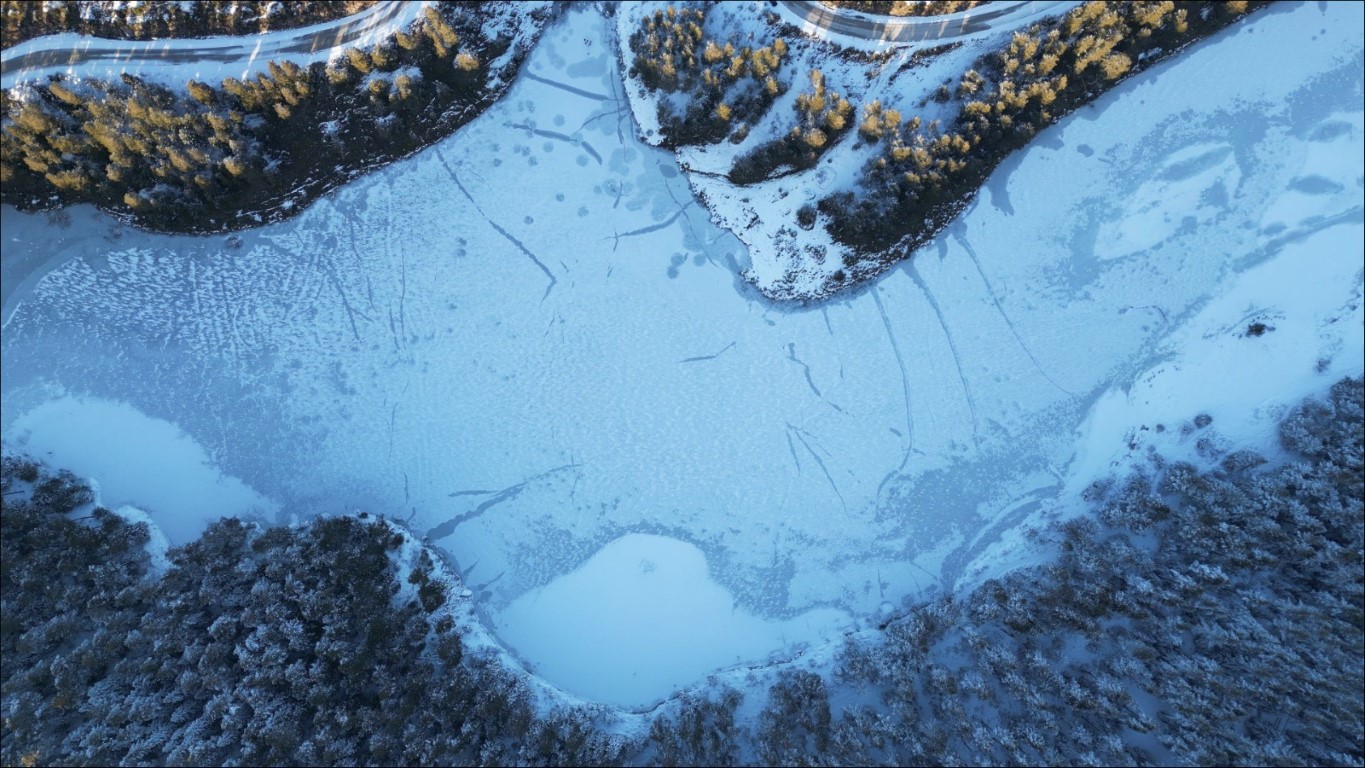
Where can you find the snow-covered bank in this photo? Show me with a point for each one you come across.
(531, 339)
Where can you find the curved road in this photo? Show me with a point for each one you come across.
(179, 60)
(822, 20)
(51, 54)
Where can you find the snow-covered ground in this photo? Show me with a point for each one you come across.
(533, 342)
(174, 62)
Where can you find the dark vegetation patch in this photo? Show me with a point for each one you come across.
(1200, 617)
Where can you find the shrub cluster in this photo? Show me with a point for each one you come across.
(720, 88)
(822, 118)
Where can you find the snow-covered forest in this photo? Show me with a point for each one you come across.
(1188, 617)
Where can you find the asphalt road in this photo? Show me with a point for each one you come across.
(32, 60)
(915, 29)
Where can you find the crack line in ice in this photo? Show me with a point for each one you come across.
(393, 416)
(393, 330)
(330, 270)
(1154, 307)
(448, 527)
(616, 238)
(682, 210)
(393, 413)
(700, 358)
(569, 88)
(971, 253)
(905, 389)
(800, 435)
(599, 116)
(355, 253)
(485, 585)
(792, 447)
(499, 229)
(623, 111)
(557, 136)
(952, 345)
(837, 354)
(791, 355)
(402, 290)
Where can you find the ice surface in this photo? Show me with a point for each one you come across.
(641, 618)
(531, 341)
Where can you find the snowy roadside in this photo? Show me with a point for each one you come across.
(1285, 330)
(851, 28)
(174, 62)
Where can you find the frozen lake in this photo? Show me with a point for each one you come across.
(530, 341)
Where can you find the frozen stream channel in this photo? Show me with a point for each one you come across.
(531, 341)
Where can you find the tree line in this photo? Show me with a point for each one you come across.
(210, 156)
